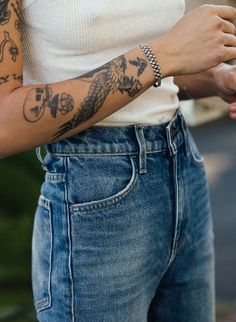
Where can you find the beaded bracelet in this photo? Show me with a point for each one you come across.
(153, 61)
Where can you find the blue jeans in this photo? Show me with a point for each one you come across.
(123, 228)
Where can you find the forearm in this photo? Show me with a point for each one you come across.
(34, 115)
(196, 86)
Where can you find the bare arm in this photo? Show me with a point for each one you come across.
(196, 86)
(36, 115)
(45, 113)
(218, 81)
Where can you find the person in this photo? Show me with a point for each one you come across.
(123, 229)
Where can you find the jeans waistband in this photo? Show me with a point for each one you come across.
(124, 140)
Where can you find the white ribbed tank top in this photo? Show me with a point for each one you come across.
(63, 39)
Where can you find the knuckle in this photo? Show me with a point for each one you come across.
(229, 27)
(232, 41)
(218, 23)
(233, 28)
(232, 77)
(220, 40)
(230, 53)
(205, 9)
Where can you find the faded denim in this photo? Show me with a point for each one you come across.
(123, 229)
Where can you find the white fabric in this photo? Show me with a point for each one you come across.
(63, 39)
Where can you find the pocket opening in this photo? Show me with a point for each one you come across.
(108, 201)
(194, 153)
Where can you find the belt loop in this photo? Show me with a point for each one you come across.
(184, 128)
(40, 158)
(142, 148)
(171, 145)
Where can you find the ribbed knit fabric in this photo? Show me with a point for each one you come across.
(63, 39)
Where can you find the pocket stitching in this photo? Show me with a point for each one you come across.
(191, 144)
(47, 301)
(195, 159)
(55, 177)
(109, 201)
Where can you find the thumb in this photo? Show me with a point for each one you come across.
(232, 111)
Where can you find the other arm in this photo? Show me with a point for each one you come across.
(218, 81)
(196, 86)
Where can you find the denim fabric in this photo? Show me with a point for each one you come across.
(123, 229)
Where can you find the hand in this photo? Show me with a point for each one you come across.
(232, 111)
(200, 40)
(224, 77)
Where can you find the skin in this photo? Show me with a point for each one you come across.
(218, 81)
(43, 113)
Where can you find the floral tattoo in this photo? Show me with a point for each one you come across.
(40, 98)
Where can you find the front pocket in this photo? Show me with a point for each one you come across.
(195, 155)
(42, 255)
(100, 182)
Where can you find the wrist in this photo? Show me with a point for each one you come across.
(220, 74)
(211, 78)
(208, 77)
(166, 62)
(208, 83)
(154, 63)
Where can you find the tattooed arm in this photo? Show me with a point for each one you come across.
(39, 114)
(10, 47)
(35, 115)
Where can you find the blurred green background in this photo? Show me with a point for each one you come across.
(21, 176)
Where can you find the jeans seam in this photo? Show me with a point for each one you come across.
(194, 159)
(47, 303)
(70, 247)
(176, 211)
(72, 154)
(55, 177)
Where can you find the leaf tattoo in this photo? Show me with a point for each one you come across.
(140, 63)
(19, 78)
(109, 78)
(4, 13)
(19, 21)
(13, 50)
(4, 79)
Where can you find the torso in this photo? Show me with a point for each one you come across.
(62, 41)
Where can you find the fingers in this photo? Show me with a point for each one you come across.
(225, 12)
(229, 53)
(229, 27)
(232, 107)
(230, 40)
(232, 111)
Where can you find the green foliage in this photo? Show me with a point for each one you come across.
(21, 177)
(15, 236)
(20, 180)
